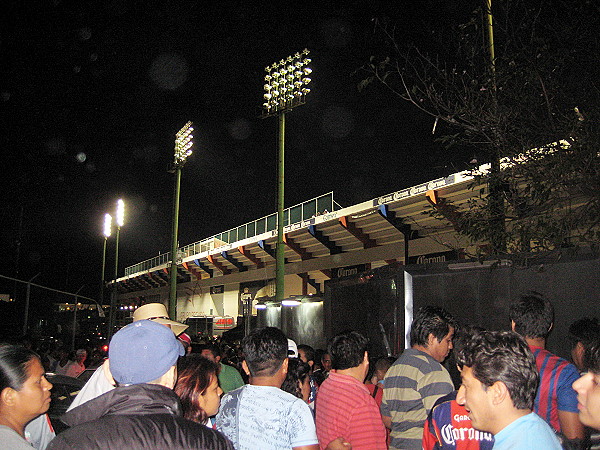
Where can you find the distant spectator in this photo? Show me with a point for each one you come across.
(375, 385)
(75, 366)
(229, 377)
(417, 378)
(532, 316)
(322, 373)
(307, 354)
(297, 380)
(198, 388)
(260, 415)
(499, 381)
(142, 411)
(344, 405)
(582, 334)
(186, 341)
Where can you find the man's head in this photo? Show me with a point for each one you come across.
(588, 387)
(144, 352)
(81, 355)
(347, 350)
(326, 362)
(211, 351)
(265, 352)
(582, 334)
(531, 316)
(499, 378)
(157, 312)
(382, 365)
(307, 354)
(432, 329)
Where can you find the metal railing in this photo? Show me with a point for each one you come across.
(297, 213)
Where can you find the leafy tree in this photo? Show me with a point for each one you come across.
(532, 113)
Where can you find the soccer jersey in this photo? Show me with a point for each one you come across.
(555, 392)
(449, 427)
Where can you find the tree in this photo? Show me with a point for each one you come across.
(531, 112)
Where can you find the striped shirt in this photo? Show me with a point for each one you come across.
(346, 409)
(411, 387)
(555, 392)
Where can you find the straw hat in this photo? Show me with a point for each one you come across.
(158, 313)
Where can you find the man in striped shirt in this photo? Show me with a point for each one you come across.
(532, 317)
(417, 379)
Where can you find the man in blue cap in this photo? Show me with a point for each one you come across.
(142, 411)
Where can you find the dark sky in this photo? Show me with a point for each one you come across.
(93, 92)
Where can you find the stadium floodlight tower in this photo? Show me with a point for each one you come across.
(285, 88)
(120, 221)
(107, 232)
(183, 149)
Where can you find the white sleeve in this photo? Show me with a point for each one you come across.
(302, 425)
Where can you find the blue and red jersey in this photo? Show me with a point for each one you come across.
(555, 392)
(449, 427)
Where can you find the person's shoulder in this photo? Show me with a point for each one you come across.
(10, 439)
(417, 360)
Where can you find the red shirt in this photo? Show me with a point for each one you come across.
(346, 409)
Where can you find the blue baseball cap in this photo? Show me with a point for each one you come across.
(143, 351)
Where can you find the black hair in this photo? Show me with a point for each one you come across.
(265, 349)
(591, 357)
(430, 320)
(297, 372)
(461, 337)
(584, 330)
(533, 315)
(213, 348)
(502, 356)
(309, 352)
(14, 361)
(347, 350)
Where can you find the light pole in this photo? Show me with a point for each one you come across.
(27, 295)
(183, 149)
(107, 233)
(75, 317)
(120, 220)
(285, 89)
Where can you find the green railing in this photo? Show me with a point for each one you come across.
(295, 214)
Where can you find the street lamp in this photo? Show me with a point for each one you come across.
(183, 149)
(107, 233)
(285, 89)
(120, 221)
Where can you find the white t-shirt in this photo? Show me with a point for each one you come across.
(265, 417)
(11, 440)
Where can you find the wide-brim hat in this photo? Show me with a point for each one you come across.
(157, 312)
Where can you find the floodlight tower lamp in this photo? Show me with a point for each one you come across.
(107, 225)
(120, 213)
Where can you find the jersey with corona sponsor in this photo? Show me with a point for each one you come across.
(449, 427)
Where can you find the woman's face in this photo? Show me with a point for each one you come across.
(211, 397)
(305, 388)
(33, 398)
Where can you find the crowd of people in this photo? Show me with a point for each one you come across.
(158, 389)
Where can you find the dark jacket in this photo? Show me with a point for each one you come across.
(141, 416)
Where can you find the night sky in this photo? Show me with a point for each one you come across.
(93, 92)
